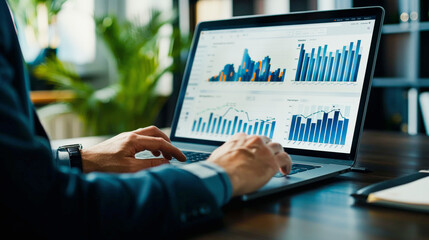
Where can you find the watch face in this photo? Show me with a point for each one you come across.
(78, 146)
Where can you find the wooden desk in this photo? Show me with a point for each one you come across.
(51, 96)
(327, 211)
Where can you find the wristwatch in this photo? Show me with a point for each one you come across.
(74, 154)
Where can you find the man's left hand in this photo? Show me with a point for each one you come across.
(117, 154)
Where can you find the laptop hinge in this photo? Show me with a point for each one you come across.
(321, 160)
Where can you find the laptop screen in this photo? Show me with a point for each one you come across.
(299, 84)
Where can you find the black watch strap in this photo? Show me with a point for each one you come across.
(74, 154)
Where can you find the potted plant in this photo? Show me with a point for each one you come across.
(130, 102)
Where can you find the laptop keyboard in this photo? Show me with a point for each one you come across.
(195, 156)
(192, 157)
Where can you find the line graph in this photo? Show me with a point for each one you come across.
(228, 120)
(330, 128)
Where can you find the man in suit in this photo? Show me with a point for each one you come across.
(65, 195)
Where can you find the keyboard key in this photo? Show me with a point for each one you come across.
(195, 156)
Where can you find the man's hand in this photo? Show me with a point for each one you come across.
(117, 154)
(250, 161)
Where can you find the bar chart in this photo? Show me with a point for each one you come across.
(322, 66)
(233, 121)
(330, 128)
(250, 71)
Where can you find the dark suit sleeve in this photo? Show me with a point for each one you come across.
(61, 203)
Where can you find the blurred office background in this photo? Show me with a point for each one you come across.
(83, 50)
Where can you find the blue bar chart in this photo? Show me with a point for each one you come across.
(233, 121)
(341, 65)
(250, 71)
(330, 128)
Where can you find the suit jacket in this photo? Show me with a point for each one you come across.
(41, 199)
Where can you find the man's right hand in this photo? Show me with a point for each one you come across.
(250, 161)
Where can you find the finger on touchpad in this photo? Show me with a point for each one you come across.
(146, 155)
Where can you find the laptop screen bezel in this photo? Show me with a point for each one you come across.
(376, 13)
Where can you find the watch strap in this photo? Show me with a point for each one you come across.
(75, 157)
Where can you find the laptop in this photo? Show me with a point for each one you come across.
(301, 79)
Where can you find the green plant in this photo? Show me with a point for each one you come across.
(131, 102)
(27, 10)
(36, 16)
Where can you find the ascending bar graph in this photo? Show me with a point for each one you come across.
(320, 65)
(250, 71)
(331, 128)
(233, 121)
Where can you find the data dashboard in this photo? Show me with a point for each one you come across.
(299, 85)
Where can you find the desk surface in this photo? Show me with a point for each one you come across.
(45, 97)
(325, 210)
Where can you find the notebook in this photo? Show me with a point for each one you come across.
(409, 192)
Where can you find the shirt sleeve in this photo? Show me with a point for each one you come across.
(215, 179)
